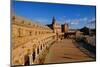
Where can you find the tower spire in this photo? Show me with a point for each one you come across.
(53, 20)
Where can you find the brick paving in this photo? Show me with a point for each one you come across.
(65, 51)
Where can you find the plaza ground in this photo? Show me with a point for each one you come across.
(66, 51)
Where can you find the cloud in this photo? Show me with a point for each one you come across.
(75, 21)
(83, 19)
(92, 22)
(92, 19)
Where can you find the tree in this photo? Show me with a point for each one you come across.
(85, 30)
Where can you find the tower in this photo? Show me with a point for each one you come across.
(65, 27)
(54, 24)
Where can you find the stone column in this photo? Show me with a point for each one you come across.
(31, 59)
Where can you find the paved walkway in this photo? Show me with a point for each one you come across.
(65, 51)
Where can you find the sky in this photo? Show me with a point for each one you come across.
(77, 16)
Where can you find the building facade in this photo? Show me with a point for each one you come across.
(30, 40)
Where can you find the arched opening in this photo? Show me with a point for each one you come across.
(41, 47)
(26, 60)
(35, 32)
(19, 32)
(33, 55)
(30, 33)
(37, 50)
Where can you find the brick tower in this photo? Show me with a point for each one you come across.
(65, 27)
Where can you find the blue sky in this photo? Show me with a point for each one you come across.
(77, 16)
